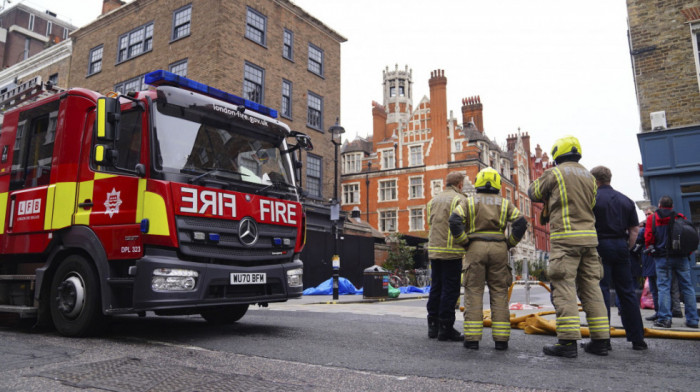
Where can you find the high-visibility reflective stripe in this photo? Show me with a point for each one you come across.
(65, 193)
(504, 213)
(472, 218)
(101, 117)
(139, 199)
(487, 232)
(450, 239)
(538, 193)
(154, 210)
(82, 216)
(3, 211)
(574, 233)
(48, 210)
(515, 213)
(595, 192)
(564, 199)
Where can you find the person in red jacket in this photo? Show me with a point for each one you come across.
(655, 241)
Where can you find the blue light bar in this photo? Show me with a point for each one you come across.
(165, 78)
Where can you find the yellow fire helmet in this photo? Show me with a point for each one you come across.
(566, 146)
(488, 178)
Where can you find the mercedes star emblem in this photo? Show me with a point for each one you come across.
(248, 231)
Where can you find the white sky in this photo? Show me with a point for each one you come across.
(548, 67)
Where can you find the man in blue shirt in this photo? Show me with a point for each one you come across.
(617, 228)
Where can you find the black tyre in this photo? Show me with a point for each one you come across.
(75, 298)
(228, 314)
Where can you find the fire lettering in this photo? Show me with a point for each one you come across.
(208, 202)
(278, 212)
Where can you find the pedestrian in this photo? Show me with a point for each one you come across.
(568, 191)
(617, 225)
(479, 224)
(445, 260)
(649, 272)
(657, 243)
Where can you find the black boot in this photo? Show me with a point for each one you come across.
(563, 348)
(432, 327)
(501, 346)
(471, 344)
(596, 346)
(447, 332)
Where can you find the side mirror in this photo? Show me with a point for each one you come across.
(304, 141)
(108, 115)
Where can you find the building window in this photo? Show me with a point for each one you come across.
(351, 194)
(288, 45)
(49, 28)
(65, 33)
(415, 187)
(135, 42)
(53, 79)
(435, 187)
(253, 82)
(695, 33)
(133, 84)
(314, 118)
(315, 60)
(30, 25)
(95, 65)
(286, 99)
(387, 190)
(352, 162)
(458, 146)
(27, 43)
(416, 219)
(387, 221)
(509, 195)
(181, 22)
(388, 161)
(256, 26)
(179, 68)
(313, 175)
(416, 155)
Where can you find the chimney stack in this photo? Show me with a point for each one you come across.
(379, 128)
(438, 117)
(111, 5)
(472, 110)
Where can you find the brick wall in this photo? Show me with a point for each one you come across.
(663, 57)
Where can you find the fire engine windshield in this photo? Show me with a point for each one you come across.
(202, 138)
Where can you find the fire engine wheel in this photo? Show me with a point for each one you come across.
(228, 314)
(75, 298)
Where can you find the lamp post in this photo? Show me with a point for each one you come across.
(336, 131)
(369, 168)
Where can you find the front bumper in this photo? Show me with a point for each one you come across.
(212, 285)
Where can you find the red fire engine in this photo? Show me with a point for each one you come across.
(179, 200)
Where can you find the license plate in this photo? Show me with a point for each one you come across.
(248, 278)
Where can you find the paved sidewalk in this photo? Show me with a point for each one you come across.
(419, 312)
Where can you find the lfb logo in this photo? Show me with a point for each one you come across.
(29, 207)
(113, 202)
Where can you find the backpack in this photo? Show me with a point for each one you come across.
(682, 237)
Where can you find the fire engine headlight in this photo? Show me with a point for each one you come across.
(166, 279)
(294, 277)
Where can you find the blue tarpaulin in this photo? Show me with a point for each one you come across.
(326, 288)
(346, 287)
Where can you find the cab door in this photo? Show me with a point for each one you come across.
(108, 192)
(29, 208)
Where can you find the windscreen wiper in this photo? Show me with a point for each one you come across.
(213, 172)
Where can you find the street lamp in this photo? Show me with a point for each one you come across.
(336, 131)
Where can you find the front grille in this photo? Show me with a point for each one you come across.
(229, 246)
(225, 290)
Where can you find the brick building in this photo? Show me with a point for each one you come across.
(391, 175)
(539, 162)
(268, 51)
(32, 43)
(665, 50)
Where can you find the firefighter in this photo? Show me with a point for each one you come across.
(480, 223)
(568, 191)
(445, 261)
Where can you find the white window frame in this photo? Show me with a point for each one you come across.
(383, 220)
(352, 162)
(30, 24)
(436, 187)
(351, 189)
(381, 191)
(411, 154)
(458, 146)
(695, 37)
(388, 159)
(49, 27)
(420, 194)
(411, 226)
